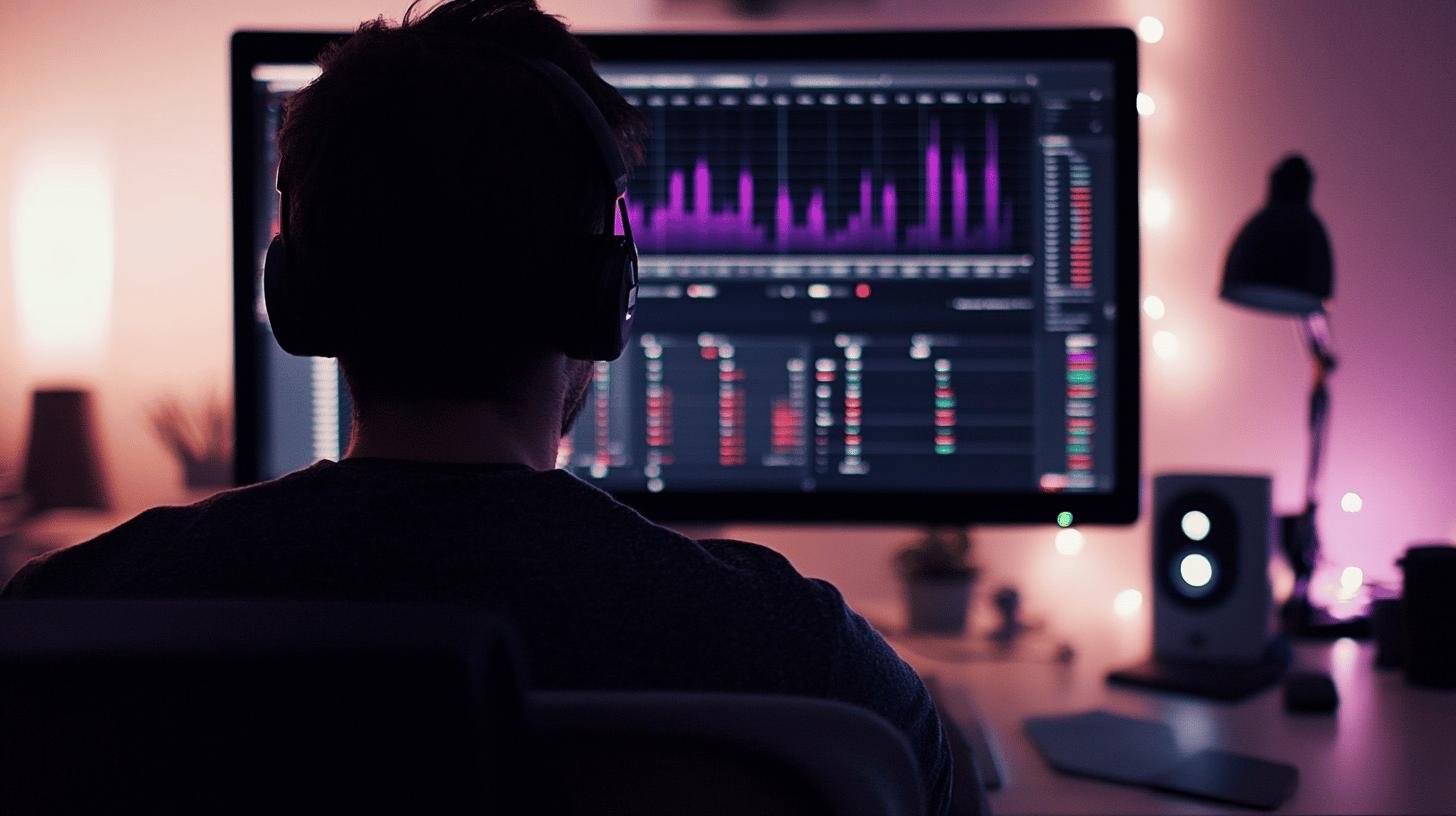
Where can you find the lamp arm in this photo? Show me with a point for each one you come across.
(1317, 334)
(1300, 536)
(1316, 326)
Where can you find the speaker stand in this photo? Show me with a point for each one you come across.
(1215, 681)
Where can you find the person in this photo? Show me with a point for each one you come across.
(428, 171)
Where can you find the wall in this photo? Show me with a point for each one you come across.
(1361, 88)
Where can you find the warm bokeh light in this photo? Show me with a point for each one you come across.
(1145, 104)
(1343, 655)
(1153, 307)
(1352, 578)
(1069, 541)
(1127, 603)
(1165, 344)
(1157, 207)
(62, 254)
(1351, 502)
(1150, 29)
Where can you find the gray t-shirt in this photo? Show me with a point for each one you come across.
(602, 598)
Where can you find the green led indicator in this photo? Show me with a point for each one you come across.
(1064, 519)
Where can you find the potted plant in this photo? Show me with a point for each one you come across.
(938, 580)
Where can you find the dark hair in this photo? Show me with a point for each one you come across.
(429, 171)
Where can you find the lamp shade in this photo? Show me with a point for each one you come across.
(62, 462)
(1280, 261)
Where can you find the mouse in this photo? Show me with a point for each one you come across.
(1309, 691)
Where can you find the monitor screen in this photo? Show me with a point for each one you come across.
(882, 277)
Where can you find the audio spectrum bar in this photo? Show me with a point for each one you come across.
(835, 172)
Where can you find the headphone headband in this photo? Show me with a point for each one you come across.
(598, 311)
(592, 116)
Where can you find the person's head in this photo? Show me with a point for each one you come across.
(431, 172)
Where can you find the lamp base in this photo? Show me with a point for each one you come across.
(62, 459)
(1302, 619)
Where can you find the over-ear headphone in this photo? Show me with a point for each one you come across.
(597, 316)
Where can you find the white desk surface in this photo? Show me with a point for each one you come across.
(1389, 748)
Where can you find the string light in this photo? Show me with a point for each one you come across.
(1127, 603)
(1145, 104)
(1157, 207)
(1165, 344)
(1351, 579)
(1069, 541)
(1153, 307)
(1150, 29)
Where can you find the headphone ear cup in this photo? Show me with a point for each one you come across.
(599, 328)
(288, 315)
(275, 294)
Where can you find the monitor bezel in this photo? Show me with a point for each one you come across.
(1112, 45)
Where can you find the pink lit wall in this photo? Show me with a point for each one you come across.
(1362, 88)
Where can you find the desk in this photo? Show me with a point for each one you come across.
(1389, 748)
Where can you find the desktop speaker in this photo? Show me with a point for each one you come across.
(1211, 544)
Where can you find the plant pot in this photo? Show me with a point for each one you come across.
(939, 604)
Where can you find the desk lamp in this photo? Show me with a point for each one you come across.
(63, 255)
(1280, 263)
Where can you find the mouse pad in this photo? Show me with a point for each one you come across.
(1113, 748)
(1105, 746)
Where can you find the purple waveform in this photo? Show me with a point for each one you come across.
(673, 227)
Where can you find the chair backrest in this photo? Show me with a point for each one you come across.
(248, 707)
(649, 753)
(223, 707)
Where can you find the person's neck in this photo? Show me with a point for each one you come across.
(457, 432)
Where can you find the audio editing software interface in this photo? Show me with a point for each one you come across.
(855, 277)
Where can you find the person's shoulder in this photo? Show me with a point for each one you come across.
(774, 584)
(752, 559)
(92, 566)
(313, 477)
(75, 570)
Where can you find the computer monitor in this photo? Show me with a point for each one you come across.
(885, 277)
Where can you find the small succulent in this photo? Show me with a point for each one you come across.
(941, 553)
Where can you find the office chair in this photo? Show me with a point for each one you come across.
(233, 707)
(661, 753)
